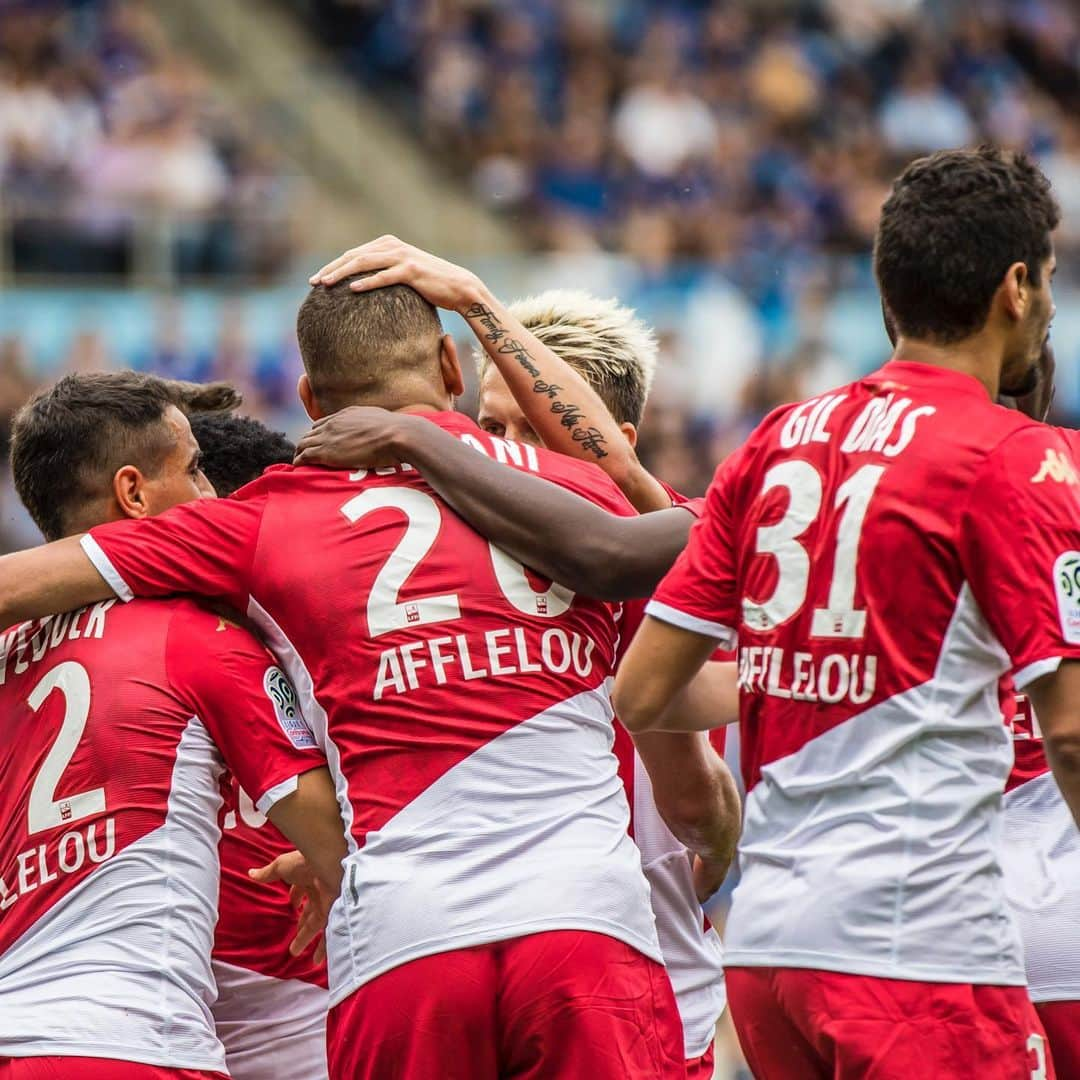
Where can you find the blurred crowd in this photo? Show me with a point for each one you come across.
(111, 141)
(742, 133)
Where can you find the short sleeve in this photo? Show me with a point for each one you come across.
(692, 506)
(232, 683)
(205, 547)
(700, 591)
(1020, 550)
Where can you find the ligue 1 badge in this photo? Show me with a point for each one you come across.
(1067, 587)
(287, 708)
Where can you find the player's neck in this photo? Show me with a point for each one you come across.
(975, 356)
(426, 407)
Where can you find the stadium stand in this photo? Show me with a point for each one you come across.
(109, 134)
(737, 133)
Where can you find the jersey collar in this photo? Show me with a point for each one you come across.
(902, 373)
(454, 422)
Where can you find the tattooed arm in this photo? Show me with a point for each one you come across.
(559, 404)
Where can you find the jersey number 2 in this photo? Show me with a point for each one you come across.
(44, 811)
(840, 619)
(385, 612)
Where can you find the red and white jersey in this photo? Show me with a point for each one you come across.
(885, 554)
(693, 954)
(111, 720)
(1040, 849)
(462, 702)
(270, 1011)
(1040, 857)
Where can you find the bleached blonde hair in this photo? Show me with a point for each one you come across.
(605, 342)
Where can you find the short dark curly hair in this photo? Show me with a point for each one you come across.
(68, 441)
(236, 449)
(954, 223)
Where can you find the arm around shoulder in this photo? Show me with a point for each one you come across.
(44, 580)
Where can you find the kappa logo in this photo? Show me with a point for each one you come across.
(1067, 588)
(287, 708)
(1056, 466)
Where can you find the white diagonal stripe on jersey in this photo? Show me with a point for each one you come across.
(693, 956)
(871, 849)
(248, 1003)
(120, 966)
(474, 858)
(1040, 856)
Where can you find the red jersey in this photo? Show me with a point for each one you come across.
(461, 700)
(693, 954)
(886, 553)
(270, 1011)
(110, 773)
(257, 921)
(1040, 847)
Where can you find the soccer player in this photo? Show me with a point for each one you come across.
(494, 919)
(885, 554)
(681, 793)
(236, 449)
(270, 1011)
(1040, 848)
(115, 720)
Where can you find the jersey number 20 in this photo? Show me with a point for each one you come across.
(386, 613)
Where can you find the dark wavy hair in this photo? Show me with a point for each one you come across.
(953, 225)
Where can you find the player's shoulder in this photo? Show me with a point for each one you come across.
(202, 631)
(1071, 437)
(1013, 437)
(1029, 470)
(275, 478)
(584, 478)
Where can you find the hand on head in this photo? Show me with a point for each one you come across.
(390, 261)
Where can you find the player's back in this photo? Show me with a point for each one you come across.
(869, 657)
(108, 863)
(270, 1011)
(463, 701)
(467, 700)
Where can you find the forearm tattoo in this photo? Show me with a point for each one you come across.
(570, 415)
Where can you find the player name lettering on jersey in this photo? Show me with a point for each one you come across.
(26, 644)
(510, 650)
(884, 418)
(68, 854)
(835, 677)
(504, 451)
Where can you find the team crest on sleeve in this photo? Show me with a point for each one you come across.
(287, 708)
(1067, 586)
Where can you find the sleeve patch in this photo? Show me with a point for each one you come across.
(1067, 590)
(287, 708)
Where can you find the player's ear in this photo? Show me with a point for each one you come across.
(129, 492)
(453, 380)
(307, 398)
(629, 431)
(1013, 291)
